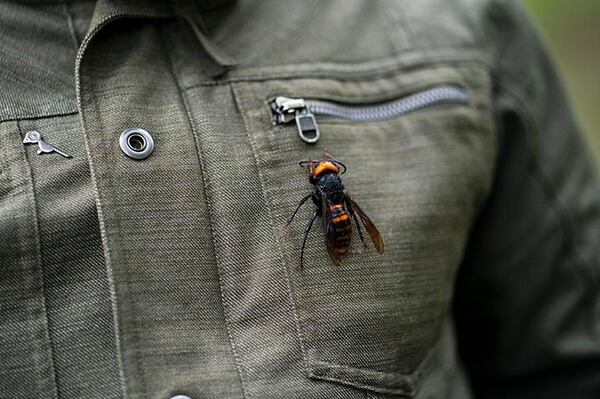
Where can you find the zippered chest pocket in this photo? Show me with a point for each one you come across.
(419, 149)
(286, 110)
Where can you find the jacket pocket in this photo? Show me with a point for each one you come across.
(286, 110)
(420, 149)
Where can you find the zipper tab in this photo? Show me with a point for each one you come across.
(286, 109)
(308, 128)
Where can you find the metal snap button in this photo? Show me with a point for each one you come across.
(136, 143)
(180, 397)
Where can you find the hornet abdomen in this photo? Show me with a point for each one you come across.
(342, 228)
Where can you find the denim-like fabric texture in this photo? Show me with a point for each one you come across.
(36, 61)
(27, 366)
(76, 292)
(137, 279)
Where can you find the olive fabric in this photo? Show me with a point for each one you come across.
(175, 274)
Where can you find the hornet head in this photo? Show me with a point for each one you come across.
(317, 167)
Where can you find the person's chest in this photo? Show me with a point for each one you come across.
(186, 278)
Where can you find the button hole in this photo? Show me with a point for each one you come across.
(136, 142)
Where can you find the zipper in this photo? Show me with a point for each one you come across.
(286, 110)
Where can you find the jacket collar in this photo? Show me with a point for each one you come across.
(112, 9)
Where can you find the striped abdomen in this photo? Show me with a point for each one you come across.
(342, 228)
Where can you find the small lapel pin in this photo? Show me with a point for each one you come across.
(35, 137)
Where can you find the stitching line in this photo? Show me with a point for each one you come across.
(98, 200)
(333, 71)
(36, 117)
(71, 25)
(39, 273)
(199, 152)
(292, 305)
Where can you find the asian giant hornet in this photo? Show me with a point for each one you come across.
(336, 208)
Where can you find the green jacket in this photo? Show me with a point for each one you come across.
(174, 274)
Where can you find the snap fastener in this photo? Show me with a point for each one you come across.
(180, 397)
(136, 143)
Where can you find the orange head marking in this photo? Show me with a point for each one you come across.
(323, 166)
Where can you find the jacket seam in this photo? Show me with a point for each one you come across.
(106, 250)
(36, 115)
(33, 117)
(39, 273)
(293, 307)
(73, 35)
(199, 152)
(395, 66)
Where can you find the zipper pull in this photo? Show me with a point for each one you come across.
(287, 109)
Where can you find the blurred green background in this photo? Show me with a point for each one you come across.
(571, 29)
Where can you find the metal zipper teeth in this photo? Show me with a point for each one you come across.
(285, 110)
(391, 109)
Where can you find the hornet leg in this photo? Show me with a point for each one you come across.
(306, 231)
(298, 208)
